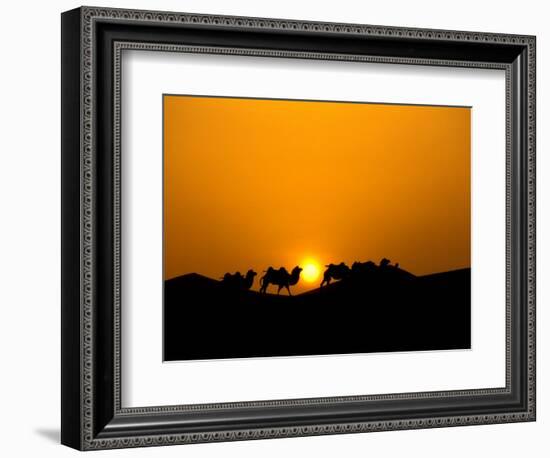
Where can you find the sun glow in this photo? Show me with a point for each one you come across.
(312, 270)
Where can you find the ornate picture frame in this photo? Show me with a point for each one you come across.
(93, 416)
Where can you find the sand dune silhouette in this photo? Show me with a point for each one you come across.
(392, 310)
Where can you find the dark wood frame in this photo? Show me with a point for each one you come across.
(92, 416)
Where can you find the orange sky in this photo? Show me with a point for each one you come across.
(251, 183)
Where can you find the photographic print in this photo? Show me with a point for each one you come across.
(306, 227)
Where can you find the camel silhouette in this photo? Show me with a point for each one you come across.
(360, 268)
(237, 281)
(281, 278)
(335, 272)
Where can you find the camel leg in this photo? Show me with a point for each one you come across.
(279, 290)
(288, 289)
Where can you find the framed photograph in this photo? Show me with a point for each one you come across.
(276, 228)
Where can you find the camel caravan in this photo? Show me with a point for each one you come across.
(283, 279)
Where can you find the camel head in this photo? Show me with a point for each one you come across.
(296, 271)
(295, 276)
(251, 274)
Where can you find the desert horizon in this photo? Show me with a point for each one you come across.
(267, 182)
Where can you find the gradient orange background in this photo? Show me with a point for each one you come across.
(250, 183)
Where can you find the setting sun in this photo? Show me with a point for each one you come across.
(312, 270)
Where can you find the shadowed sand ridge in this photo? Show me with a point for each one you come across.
(390, 310)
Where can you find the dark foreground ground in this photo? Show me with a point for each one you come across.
(394, 311)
